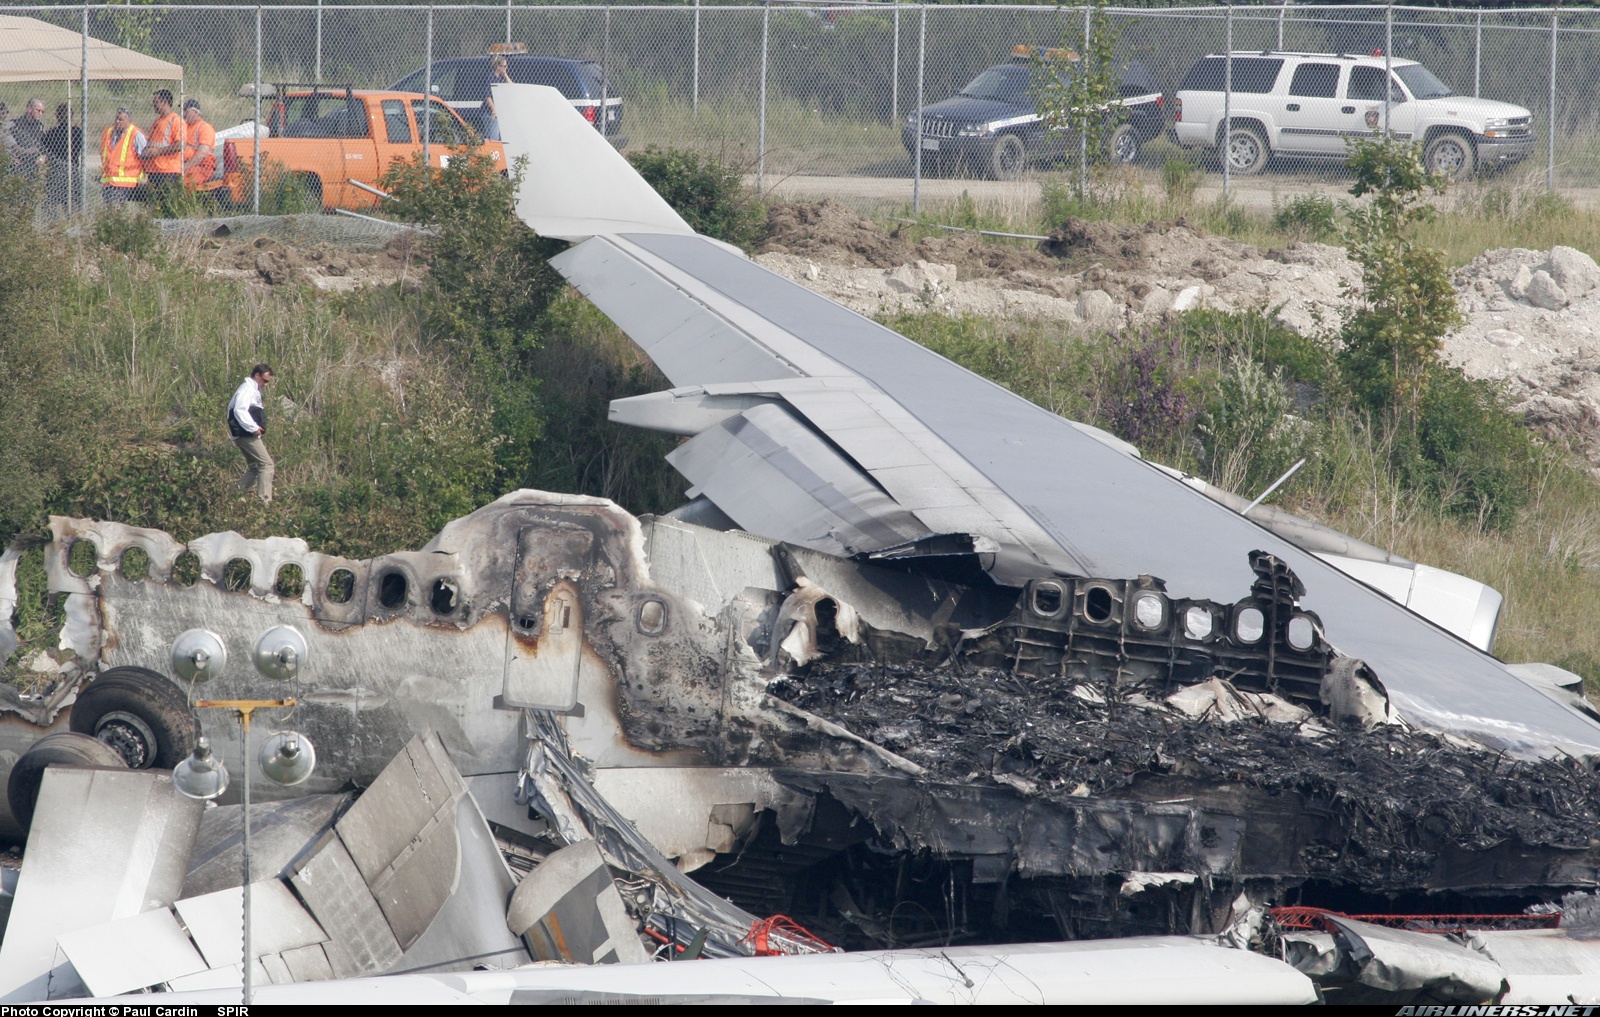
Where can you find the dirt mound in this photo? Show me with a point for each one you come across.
(1171, 248)
(327, 266)
(823, 231)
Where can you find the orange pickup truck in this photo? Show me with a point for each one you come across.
(330, 137)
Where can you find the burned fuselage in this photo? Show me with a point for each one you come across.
(682, 666)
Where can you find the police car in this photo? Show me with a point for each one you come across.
(993, 124)
(464, 82)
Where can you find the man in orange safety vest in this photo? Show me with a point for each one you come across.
(121, 146)
(163, 153)
(200, 145)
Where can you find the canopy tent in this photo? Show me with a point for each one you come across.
(34, 50)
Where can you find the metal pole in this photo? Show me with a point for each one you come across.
(1550, 157)
(508, 20)
(246, 961)
(695, 102)
(318, 76)
(83, 121)
(922, 66)
(1388, 64)
(1477, 57)
(894, 73)
(605, 72)
(1083, 125)
(427, 90)
(761, 112)
(255, 159)
(1227, 99)
(1281, 9)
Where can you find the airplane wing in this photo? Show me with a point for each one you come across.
(813, 424)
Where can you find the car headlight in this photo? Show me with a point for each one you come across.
(976, 130)
(1497, 122)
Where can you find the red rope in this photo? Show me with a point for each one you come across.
(781, 935)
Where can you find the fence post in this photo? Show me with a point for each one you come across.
(508, 19)
(1388, 63)
(894, 73)
(427, 98)
(1477, 58)
(605, 72)
(1083, 126)
(317, 76)
(82, 155)
(1550, 156)
(922, 67)
(255, 160)
(1281, 9)
(761, 112)
(1227, 99)
(695, 101)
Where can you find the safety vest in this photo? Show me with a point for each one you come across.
(167, 130)
(119, 163)
(199, 134)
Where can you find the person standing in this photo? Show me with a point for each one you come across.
(499, 72)
(63, 147)
(247, 425)
(27, 139)
(200, 144)
(163, 152)
(121, 146)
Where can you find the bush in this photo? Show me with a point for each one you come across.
(707, 192)
(1472, 453)
(127, 231)
(1309, 215)
(1180, 178)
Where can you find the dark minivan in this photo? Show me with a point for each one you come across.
(463, 82)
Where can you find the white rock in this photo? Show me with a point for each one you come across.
(905, 279)
(1520, 282)
(1543, 292)
(940, 275)
(1504, 337)
(1097, 306)
(812, 271)
(1191, 297)
(1574, 271)
(1157, 301)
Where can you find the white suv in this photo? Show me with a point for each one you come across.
(1307, 105)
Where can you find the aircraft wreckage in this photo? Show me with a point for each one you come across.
(919, 666)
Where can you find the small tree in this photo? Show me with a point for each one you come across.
(1406, 304)
(1082, 98)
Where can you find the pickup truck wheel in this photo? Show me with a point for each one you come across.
(1124, 145)
(1450, 155)
(64, 748)
(1247, 152)
(140, 714)
(1008, 157)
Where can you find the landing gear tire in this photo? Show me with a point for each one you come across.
(1008, 157)
(1247, 152)
(1124, 145)
(1450, 155)
(64, 748)
(141, 715)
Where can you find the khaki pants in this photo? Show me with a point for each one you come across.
(261, 468)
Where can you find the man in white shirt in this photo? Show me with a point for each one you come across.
(247, 424)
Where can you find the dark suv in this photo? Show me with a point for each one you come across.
(993, 124)
(464, 84)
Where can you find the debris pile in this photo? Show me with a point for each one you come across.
(1403, 799)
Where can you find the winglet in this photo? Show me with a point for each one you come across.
(575, 185)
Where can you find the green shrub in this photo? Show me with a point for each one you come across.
(127, 231)
(1308, 215)
(707, 192)
(1180, 178)
(1472, 453)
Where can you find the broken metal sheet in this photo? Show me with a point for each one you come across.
(280, 834)
(360, 940)
(278, 922)
(469, 932)
(131, 953)
(668, 805)
(1544, 965)
(401, 836)
(569, 909)
(105, 844)
(1399, 960)
(1216, 699)
(1313, 953)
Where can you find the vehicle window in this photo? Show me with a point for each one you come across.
(1137, 80)
(1422, 83)
(1366, 85)
(543, 72)
(1251, 75)
(472, 83)
(999, 84)
(589, 76)
(396, 122)
(1315, 81)
(445, 130)
(321, 116)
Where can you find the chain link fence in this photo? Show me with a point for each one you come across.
(800, 89)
